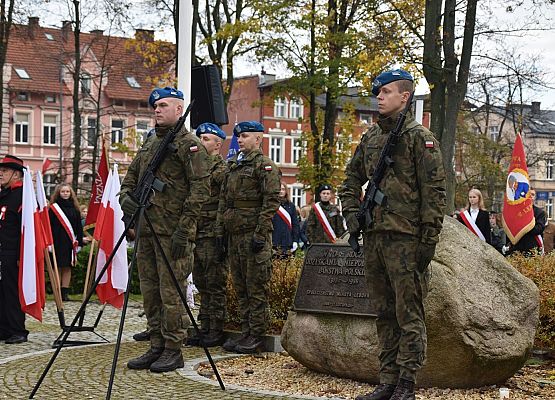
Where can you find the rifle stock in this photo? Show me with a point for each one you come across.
(374, 196)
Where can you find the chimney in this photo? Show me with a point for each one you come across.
(97, 33)
(265, 77)
(66, 28)
(535, 107)
(146, 35)
(33, 26)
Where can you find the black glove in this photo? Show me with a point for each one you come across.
(221, 245)
(129, 205)
(179, 244)
(257, 243)
(424, 255)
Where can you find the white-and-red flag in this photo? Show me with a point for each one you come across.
(32, 293)
(46, 163)
(518, 213)
(108, 230)
(98, 187)
(43, 211)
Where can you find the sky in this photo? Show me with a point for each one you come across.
(532, 43)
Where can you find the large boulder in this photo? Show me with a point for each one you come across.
(481, 317)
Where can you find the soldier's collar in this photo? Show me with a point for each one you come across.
(250, 155)
(389, 123)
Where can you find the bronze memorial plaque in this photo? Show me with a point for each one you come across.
(333, 281)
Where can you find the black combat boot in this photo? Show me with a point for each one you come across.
(230, 343)
(146, 360)
(404, 391)
(214, 338)
(142, 336)
(252, 344)
(170, 360)
(194, 340)
(383, 391)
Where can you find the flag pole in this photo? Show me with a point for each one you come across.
(55, 288)
(56, 272)
(87, 276)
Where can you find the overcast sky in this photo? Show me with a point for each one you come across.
(532, 43)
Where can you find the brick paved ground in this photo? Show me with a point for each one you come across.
(83, 372)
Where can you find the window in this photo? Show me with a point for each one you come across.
(49, 129)
(22, 73)
(117, 131)
(21, 128)
(91, 132)
(275, 149)
(49, 181)
(118, 103)
(549, 208)
(298, 196)
(279, 108)
(366, 119)
(87, 178)
(50, 98)
(143, 104)
(48, 36)
(296, 149)
(132, 82)
(552, 142)
(85, 83)
(549, 169)
(23, 96)
(142, 130)
(494, 132)
(296, 109)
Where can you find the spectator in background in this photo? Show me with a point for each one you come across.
(533, 239)
(286, 226)
(475, 217)
(305, 211)
(83, 210)
(498, 236)
(325, 222)
(67, 232)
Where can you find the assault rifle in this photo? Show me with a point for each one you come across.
(148, 183)
(374, 196)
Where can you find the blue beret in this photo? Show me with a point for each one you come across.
(324, 187)
(208, 127)
(160, 93)
(390, 76)
(248, 126)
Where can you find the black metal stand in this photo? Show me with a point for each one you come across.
(80, 328)
(136, 217)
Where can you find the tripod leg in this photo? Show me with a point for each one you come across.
(82, 308)
(183, 299)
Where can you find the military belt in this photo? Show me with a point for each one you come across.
(243, 203)
(210, 207)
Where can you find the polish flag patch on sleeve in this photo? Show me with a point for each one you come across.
(429, 144)
(267, 168)
(193, 149)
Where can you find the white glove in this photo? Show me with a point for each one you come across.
(294, 247)
(505, 249)
(78, 249)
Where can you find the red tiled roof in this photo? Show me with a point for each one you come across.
(41, 57)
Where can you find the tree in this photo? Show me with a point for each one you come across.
(327, 46)
(76, 94)
(6, 18)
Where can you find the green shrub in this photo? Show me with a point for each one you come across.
(283, 284)
(541, 270)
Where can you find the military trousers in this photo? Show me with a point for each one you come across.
(251, 274)
(397, 289)
(164, 310)
(210, 277)
(12, 319)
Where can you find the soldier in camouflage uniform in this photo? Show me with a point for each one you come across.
(174, 212)
(401, 241)
(209, 273)
(248, 201)
(314, 228)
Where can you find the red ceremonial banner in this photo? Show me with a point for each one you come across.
(98, 186)
(518, 214)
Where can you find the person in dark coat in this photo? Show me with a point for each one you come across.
(475, 213)
(67, 232)
(533, 240)
(286, 226)
(498, 236)
(12, 318)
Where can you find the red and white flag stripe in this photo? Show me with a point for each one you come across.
(470, 224)
(43, 210)
(109, 228)
(32, 293)
(324, 222)
(59, 213)
(285, 216)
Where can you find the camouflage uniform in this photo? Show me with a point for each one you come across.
(186, 175)
(209, 274)
(410, 221)
(249, 200)
(315, 231)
